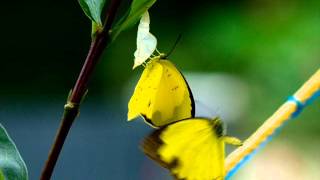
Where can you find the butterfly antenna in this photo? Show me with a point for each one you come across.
(174, 45)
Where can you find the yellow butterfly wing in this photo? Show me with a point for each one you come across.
(191, 149)
(162, 95)
(145, 91)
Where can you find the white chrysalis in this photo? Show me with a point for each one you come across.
(146, 42)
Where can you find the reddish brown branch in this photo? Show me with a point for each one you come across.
(71, 109)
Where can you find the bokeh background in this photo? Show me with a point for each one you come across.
(241, 58)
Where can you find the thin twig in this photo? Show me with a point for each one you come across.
(71, 109)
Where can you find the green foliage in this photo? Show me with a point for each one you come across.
(93, 9)
(133, 15)
(12, 167)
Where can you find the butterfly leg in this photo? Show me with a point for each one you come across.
(232, 140)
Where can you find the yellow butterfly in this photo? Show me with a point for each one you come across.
(192, 149)
(162, 95)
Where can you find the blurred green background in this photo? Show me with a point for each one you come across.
(254, 52)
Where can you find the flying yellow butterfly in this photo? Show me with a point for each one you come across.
(162, 95)
(192, 149)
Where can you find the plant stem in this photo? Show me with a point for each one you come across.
(71, 109)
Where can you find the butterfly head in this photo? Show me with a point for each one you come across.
(218, 126)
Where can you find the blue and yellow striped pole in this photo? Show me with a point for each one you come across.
(289, 110)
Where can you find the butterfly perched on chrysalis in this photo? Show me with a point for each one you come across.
(162, 94)
(192, 149)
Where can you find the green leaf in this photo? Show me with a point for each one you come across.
(133, 15)
(12, 167)
(93, 9)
